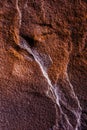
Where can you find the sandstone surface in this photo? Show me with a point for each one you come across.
(43, 65)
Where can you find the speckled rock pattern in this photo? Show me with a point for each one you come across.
(43, 65)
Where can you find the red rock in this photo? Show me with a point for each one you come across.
(43, 46)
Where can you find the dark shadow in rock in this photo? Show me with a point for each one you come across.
(29, 40)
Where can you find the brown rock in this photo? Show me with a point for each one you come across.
(43, 58)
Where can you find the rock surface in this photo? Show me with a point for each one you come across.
(43, 65)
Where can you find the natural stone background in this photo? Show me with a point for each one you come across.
(57, 30)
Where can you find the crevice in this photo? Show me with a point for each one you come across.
(30, 40)
(44, 24)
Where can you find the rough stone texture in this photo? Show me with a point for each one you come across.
(56, 32)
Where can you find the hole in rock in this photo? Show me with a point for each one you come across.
(30, 40)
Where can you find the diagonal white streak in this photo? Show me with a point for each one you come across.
(78, 114)
(19, 13)
(53, 89)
